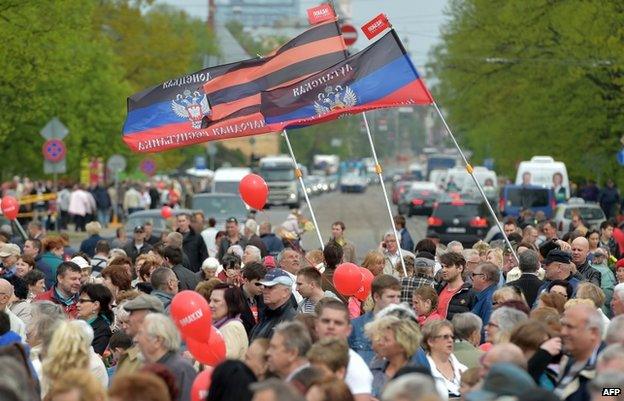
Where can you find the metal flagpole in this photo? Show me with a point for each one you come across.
(305, 193)
(378, 170)
(470, 171)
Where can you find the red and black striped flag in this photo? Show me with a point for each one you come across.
(224, 101)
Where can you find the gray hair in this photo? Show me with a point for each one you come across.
(464, 324)
(402, 311)
(296, 336)
(251, 225)
(255, 251)
(281, 390)
(594, 319)
(615, 331)
(491, 272)
(611, 352)
(528, 261)
(454, 244)
(41, 328)
(467, 253)
(157, 325)
(46, 308)
(391, 233)
(610, 379)
(619, 291)
(280, 255)
(507, 318)
(116, 252)
(409, 387)
(175, 239)
(160, 277)
(14, 381)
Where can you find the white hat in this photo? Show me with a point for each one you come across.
(80, 261)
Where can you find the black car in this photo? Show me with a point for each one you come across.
(418, 201)
(466, 221)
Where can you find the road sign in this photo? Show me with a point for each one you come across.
(55, 168)
(349, 34)
(54, 150)
(620, 157)
(54, 129)
(116, 164)
(148, 167)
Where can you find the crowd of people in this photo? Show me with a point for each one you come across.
(448, 323)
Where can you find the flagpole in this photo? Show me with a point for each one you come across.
(305, 193)
(470, 171)
(379, 171)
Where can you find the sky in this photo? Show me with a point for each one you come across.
(417, 22)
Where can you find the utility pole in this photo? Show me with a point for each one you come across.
(212, 9)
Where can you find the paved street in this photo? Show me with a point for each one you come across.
(364, 215)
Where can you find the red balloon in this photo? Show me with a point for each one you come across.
(211, 352)
(367, 279)
(347, 278)
(191, 314)
(166, 212)
(201, 384)
(254, 191)
(10, 207)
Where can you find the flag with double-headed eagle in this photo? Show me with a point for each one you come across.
(224, 101)
(380, 76)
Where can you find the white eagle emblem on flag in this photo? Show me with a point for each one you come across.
(191, 105)
(335, 98)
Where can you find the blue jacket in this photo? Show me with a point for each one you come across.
(272, 243)
(88, 245)
(406, 240)
(358, 341)
(483, 306)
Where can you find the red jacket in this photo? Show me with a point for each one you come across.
(70, 309)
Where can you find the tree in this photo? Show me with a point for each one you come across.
(527, 77)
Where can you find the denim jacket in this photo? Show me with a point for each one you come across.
(358, 341)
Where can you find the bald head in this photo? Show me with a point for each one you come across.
(580, 250)
(504, 352)
(6, 293)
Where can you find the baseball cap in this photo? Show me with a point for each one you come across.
(9, 249)
(502, 379)
(276, 276)
(139, 229)
(80, 261)
(269, 262)
(557, 255)
(145, 302)
(620, 263)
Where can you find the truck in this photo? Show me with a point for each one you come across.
(279, 174)
(325, 165)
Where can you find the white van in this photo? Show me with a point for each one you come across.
(226, 179)
(466, 185)
(541, 170)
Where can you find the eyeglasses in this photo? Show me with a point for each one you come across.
(446, 337)
(84, 300)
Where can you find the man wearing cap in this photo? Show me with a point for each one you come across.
(139, 307)
(557, 266)
(137, 246)
(9, 253)
(232, 237)
(276, 293)
(67, 289)
(580, 250)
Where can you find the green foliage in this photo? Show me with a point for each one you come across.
(527, 77)
(79, 60)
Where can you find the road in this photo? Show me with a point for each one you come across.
(365, 217)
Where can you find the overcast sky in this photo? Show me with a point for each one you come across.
(418, 21)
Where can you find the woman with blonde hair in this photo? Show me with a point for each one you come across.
(83, 386)
(595, 294)
(507, 293)
(495, 256)
(374, 261)
(438, 340)
(394, 341)
(68, 349)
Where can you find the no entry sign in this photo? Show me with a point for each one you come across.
(349, 34)
(54, 150)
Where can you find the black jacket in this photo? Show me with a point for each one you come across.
(225, 244)
(589, 273)
(271, 318)
(187, 279)
(461, 302)
(131, 250)
(194, 247)
(101, 334)
(529, 285)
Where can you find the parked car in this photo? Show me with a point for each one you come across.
(159, 224)
(420, 199)
(220, 206)
(515, 198)
(591, 214)
(466, 221)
